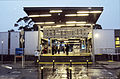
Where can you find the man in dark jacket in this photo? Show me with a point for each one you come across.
(67, 48)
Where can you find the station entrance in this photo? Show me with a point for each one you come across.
(76, 40)
(62, 26)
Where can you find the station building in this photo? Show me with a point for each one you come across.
(58, 26)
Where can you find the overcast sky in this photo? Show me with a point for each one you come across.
(12, 10)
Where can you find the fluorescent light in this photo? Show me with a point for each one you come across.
(95, 11)
(77, 15)
(45, 15)
(39, 23)
(83, 24)
(33, 15)
(2, 41)
(42, 15)
(83, 12)
(70, 15)
(89, 12)
(49, 22)
(74, 22)
(44, 22)
(55, 11)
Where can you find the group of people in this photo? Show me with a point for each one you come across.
(57, 49)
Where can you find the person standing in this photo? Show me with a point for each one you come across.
(67, 48)
(36, 56)
(53, 49)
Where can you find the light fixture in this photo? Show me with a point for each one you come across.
(95, 11)
(55, 11)
(44, 22)
(33, 15)
(70, 15)
(89, 12)
(83, 24)
(96, 35)
(42, 15)
(74, 22)
(83, 12)
(39, 23)
(77, 15)
(49, 22)
(45, 15)
(2, 41)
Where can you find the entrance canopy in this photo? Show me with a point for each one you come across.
(64, 16)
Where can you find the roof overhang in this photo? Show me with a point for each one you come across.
(64, 16)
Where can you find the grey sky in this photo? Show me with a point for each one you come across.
(10, 11)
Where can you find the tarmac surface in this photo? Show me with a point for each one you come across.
(101, 70)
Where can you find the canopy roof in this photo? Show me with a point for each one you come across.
(64, 16)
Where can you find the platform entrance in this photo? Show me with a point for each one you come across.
(78, 40)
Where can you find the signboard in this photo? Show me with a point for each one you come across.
(66, 32)
(19, 51)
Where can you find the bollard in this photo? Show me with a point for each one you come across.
(70, 72)
(70, 63)
(87, 64)
(41, 72)
(53, 65)
(67, 73)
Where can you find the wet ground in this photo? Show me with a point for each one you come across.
(9, 71)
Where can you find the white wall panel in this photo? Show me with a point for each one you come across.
(31, 40)
(4, 37)
(103, 41)
(14, 41)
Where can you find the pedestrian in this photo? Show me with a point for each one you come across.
(58, 49)
(36, 56)
(53, 47)
(67, 48)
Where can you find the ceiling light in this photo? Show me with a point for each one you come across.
(70, 15)
(83, 24)
(49, 22)
(33, 15)
(83, 12)
(89, 12)
(42, 15)
(55, 11)
(45, 15)
(39, 23)
(44, 22)
(95, 11)
(77, 15)
(74, 22)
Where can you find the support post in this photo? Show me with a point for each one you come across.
(70, 72)
(70, 63)
(51, 46)
(2, 52)
(93, 54)
(42, 73)
(53, 65)
(87, 64)
(39, 38)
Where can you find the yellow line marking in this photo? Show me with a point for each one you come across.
(64, 55)
(65, 62)
(99, 54)
(110, 61)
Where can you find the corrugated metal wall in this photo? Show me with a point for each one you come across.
(31, 41)
(4, 38)
(104, 41)
(14, 41)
